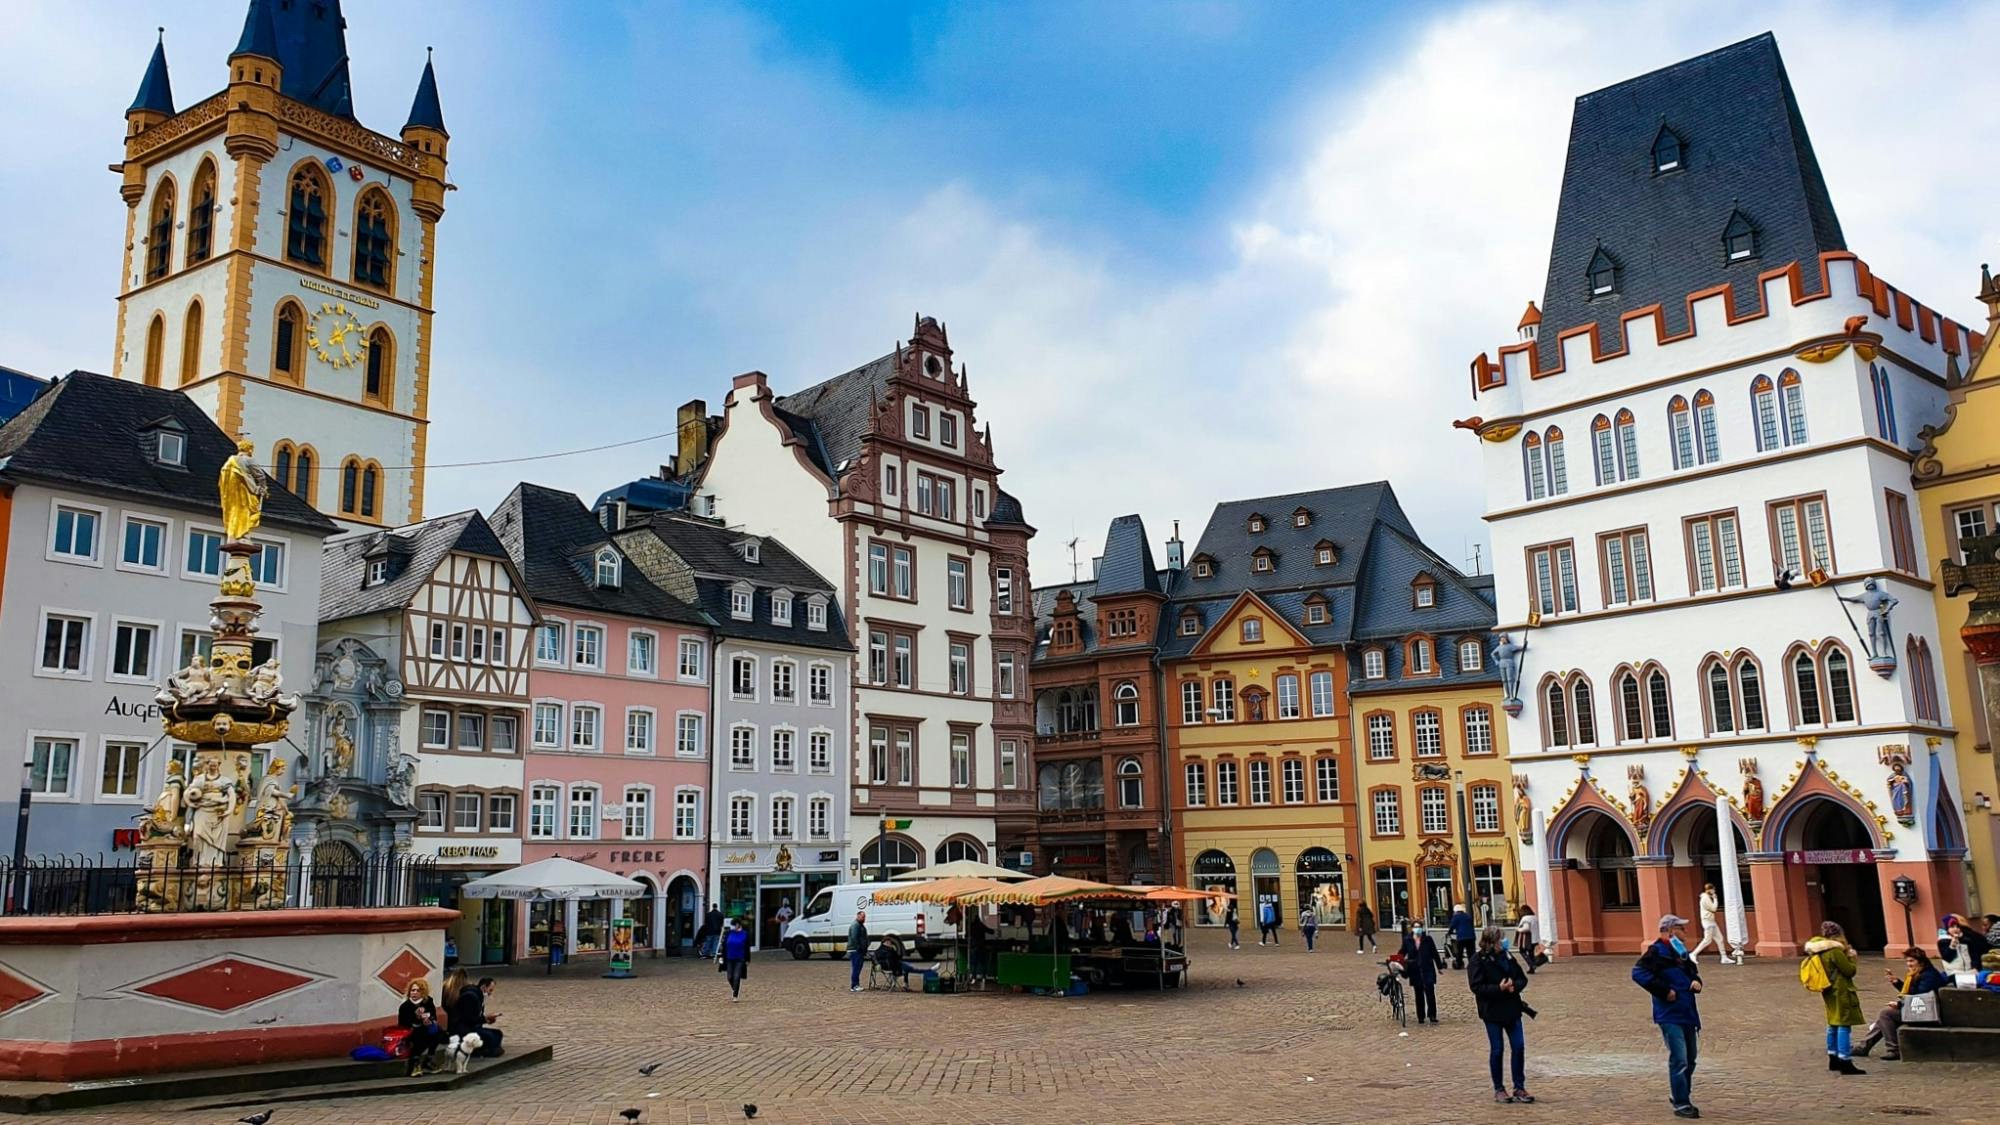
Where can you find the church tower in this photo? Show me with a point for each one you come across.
(278, 259)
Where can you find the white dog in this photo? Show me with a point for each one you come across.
(462, 1048)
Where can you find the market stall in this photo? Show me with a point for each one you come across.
(556, 880)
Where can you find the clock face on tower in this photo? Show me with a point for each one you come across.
(335, 335)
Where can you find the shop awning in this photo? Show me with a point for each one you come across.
(1048, 889)
(554, 879)
(1177, 894)
(964, 869)
(937, 890)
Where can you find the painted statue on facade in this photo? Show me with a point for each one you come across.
(340, 761)
(1877, 602)
(271, 820)
(1753, 791)
(243, 489)
(210, 799)
(1523, 808)
(1902, 799)
(1642, 801)
(1507, 658)
(163, 820)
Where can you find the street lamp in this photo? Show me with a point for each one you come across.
(1905, 890)
(1464, 843)
(17, 881)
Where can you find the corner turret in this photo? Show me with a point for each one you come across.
(425, 132)
(155, 100)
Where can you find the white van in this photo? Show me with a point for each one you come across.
(822, 926)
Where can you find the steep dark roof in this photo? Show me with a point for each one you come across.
(1345, 515)
(1007, 510)
(1044, 607)
(1127, 562)
(156, 92)
(17, 390)
(1743, 145)
(1388, 607)
(1288, 604)
(832, 417)
(87, 431)
(553, 540)
(709, 549)
(260, 33)
(308, 38)
(1444, 657)
(418, 547)
(425, 112)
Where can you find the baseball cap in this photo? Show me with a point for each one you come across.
(1669, 921)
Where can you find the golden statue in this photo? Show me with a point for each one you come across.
(243, 489)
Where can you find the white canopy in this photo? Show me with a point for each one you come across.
(962, 869)
(553, 879)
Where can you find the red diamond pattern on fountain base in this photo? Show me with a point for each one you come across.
(225, 984)
(16, 992)
(406, 966)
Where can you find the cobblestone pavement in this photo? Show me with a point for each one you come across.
(1302, 1039)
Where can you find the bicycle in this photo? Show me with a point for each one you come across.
(1390, 985)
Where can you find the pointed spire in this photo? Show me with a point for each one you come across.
(156, 93)
(425, 112)
(260, 34)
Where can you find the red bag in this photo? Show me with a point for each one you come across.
(396, 1041)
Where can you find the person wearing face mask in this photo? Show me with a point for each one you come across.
(1667, 972)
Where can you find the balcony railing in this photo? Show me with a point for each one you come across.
(1057, 738)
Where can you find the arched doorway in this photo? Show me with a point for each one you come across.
(1829, 865)
(1264, 885)
(1321, 885)
(957, 848)
(640, 910)
(1215, 872)
(683, 914)
(1695, 845)
(1600, 880)
(889, 857)
(339, 876)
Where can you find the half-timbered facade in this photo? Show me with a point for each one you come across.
(442, 604)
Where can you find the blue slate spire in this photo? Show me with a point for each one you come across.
(425, 112)
(156, 93)
(260, 35)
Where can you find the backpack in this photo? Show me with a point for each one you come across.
(1813, 975)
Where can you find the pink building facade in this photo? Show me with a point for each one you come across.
(617, 765)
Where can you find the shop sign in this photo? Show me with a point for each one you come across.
(1214, 863)
(1831, 855)
(745, 858)
(1317, 861)
(469, 851)
(146, 711)
(621, 945)
(829, 857)
(641, 856)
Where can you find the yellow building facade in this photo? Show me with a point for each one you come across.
(1957, 476)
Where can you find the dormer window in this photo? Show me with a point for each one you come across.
(1302, 518)
(1256, 525)
(816, 615)
(739, 603)
(1253, 630)
(1373, 665)
(1666, 151)
(1263, 561)
(1325, 553)
(1316, 611)
(750, 549)
(1204, 567)
(1739, 238)
(378, 572)
(1190, 624)
(173, 448)
(1603, 274)
(1423, 592)
(781, 609)
(608, 567)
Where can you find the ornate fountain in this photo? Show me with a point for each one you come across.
(211, 841)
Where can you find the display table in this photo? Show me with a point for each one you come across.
(1034, 970)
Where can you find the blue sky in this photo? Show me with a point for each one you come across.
(1191, 252)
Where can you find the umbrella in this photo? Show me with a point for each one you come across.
(554, 880)
(964, 868)
(1048, 889)
(936, 890)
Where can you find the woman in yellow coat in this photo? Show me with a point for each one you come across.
(1843, 1002)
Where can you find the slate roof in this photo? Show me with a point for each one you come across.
(832, 417)
(1288, 604)
(553, 540)
(86, 431)
(1744, 146)
(1388, 606)
(1345, 515)
(421, 545)
(709, 549)
(1007, 510)
(1444, 655)
(425, 111)
(309, 40)
(1127, 562)
(17, 390)
(1086, 618)
(156, 92)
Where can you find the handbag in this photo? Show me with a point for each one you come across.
(1920, 1008)
(720, 964)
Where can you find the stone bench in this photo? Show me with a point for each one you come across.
(1968, 1031)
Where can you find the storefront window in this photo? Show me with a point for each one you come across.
(1392, 896)
(1216, 872)
(1491, 880)
(1264, 880)
(539, 915)
(593, 924)
(1437, 895)
(640, 910)
(739, 897)
(1321, 886)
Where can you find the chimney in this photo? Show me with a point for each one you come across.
(1096, 564)
(692, 424)
(1174, 560)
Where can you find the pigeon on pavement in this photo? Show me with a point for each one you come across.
(1239, 982)
(749, 1111)
(631, 1114)
(649, 1068)
(261, 1117)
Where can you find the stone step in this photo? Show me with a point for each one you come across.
(234, 1087)
(1928, 1043)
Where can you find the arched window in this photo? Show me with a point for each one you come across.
(1131, 790)
(1680, 424)
(1659, 704)
(380, 366)
(607, 568)
(1126, 699)
(1531, 452)
(1764, 407)
(1806, 710)
(1555, 706)
(1750, 690)
(1885, 403)
(1631, 709)
(1839, 685)
(281, 463)
(201, 214)
(1373, 664)
(191, 344)
(1792, 407)
(1721, 698)
(960, 848)
(350, 486)
(305, 484)
(1558, 470)
(305, 216)
(1583, 714)
(1628, 446)
(1421, 657)
(1603, 456)
(371, 490)
(1705, 429)
(156, 342)
(288, 344)
(160, 232)
(375, 240)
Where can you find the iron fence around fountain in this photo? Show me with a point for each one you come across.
(76, 885)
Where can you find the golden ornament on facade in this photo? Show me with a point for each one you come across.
(224, 731)
(1501, 432)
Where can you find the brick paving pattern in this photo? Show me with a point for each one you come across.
(1304, 1040)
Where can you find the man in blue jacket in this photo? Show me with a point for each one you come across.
(1464, 935)
(1666, 971)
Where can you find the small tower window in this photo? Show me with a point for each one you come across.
(156, 341)
(1739, 238)
(305, 218)
(160, 233)
(201, 215)
(288, 356)
(191, 343)
(381, 352)
(374, 240)
(281, 464)
(1666, 151)
(1603, 274)
(371, 489)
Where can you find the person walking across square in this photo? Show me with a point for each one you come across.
(1308, 926)
(1667, 971)
(1267, 921)
(1421, 962)
(1497, 982)
(1711, 929)
(857, 949)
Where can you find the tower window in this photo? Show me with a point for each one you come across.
(380, 353)
(201, 215)
(191, 344)
(371, 490)
(305, 219)
(1739, 238)
(1666, 151)
(303, 483)
(350, 487)
(160, 233)
(281, 464)
(156, 341)
(1603, 274)
(374, 240)
(288, 351)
